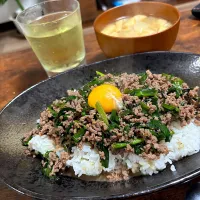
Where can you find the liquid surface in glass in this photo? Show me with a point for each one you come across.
(57, 41)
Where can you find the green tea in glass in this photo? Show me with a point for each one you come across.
(54, 31)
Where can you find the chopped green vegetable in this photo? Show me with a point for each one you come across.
(46, 155)
(46, 171)
(173, 79)
(154, 101)
(143, 77)
(69, 127)
(125, 113)
(119, 145)
(177, 81)
(52, 111)
(84, 94)
(95, 81)
(112, 126)
(114, 117)
(63, 104)
(139, 125)
(65, 146)
(25, 143)
(127, 128)
(176, 84)
(101, 147)
(87, 87)
(38, 126)
(2, 1)
(170, 107)
(100, 73)
(62, 112)
(144, 107)
(83, 113)
(172, 132)
(86, 109)
(142, 92)
(136, 141)
(70, 98)
(159, 130)
(114, 120)
(176, 87)
(168, 76)
(78, 136)
(105, 161)
(138, 148)
(102, 113)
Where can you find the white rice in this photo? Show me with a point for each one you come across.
(185, 142)
(85, 161)
(173, 168)
(114, 162)
(41, 144)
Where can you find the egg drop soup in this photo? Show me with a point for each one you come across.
(137, 26)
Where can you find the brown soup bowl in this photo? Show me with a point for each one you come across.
(117, 46)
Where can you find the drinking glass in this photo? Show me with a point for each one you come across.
(54, 31)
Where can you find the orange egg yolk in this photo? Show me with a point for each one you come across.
(107, 95)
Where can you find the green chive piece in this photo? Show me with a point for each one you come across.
(100, 73)
(102, 113)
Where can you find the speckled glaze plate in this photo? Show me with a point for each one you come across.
(19, 116)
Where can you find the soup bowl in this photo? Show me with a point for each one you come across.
(117, 46)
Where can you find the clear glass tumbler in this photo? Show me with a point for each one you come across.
(54, 31)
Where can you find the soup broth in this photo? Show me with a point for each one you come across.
(137, 26)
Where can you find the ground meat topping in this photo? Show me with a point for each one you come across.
(118, 174)
(44, 117)
(150, 103)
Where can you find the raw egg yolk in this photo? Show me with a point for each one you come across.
(107, 95)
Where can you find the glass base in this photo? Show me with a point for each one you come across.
(50, 74)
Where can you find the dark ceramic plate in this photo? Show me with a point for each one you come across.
(19, 116)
